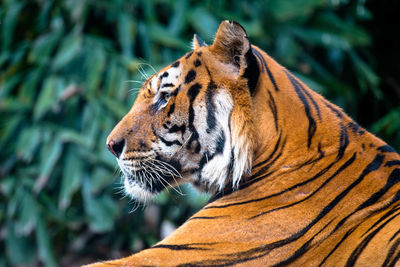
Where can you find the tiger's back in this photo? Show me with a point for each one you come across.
(320, 190)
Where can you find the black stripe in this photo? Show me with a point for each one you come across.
(252, 72)
(175, 64)
(382, 218)
(320, 173)
(359, 249)
(391, 253)
(312, 126)
(181, 247)
(265, 67)
(207, 156)
(393, 179)
(197, 63)
(301, 250)
(176, 91)
(171, 109)
(373, 166)
(211, 120)
(309, 97)
(395, 260)
(343, 141)
(272, 106)
(321, 155)
(394, 235)
(190, 76)
(192, 94)
(386, 148)
(188, 54)
(270, 155)
(255, 177)
(348, 233)
(167, 85)
(170, 143)
(355, 128)
(337, 112)
(392, 163)
(342, 168)
(220, 145)
(175, 128)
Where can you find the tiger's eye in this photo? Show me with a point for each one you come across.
(165, 95)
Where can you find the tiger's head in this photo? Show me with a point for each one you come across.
(192, 121)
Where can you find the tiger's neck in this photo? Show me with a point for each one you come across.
(301, 138)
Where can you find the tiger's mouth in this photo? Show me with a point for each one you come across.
(146, 177)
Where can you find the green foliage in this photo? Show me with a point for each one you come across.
(69, 70)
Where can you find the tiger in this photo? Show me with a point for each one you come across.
(294, 180)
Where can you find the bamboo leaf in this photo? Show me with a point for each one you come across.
(100, 210)
(71, 179)
(44, 246)
(126, 34)
(70, 47)
(47, 98)
(10, 22)
(49, 157)
(203, 22)
(19, 249)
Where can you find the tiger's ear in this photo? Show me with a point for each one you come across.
(231, 43)
(198, 42)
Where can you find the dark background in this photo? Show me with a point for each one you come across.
(69, 70)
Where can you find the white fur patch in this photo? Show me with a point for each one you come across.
(134, 190)
(243, 155)
(216, 171)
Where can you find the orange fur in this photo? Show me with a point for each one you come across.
(322, 190)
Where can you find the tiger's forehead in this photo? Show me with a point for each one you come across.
(168, 78)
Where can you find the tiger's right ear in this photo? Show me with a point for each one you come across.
(231, 45)
(197, 42)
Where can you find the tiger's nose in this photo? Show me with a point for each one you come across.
(116, 147)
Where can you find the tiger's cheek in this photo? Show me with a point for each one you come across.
(172, 130)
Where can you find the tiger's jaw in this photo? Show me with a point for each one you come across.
(145, 177)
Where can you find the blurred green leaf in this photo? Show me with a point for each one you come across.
(100, 210)
(203, 22)
(162, 36)
(9, 22)
(288, 9)
(367, 78)
(7, 185)
(28, 215)
(389, 124)
(44, 246)
(126, 34)
(323, 38)
(95, 65)
(19, 249)
(43, 47)
(28, 142)
(47, 98)
(49, 157)
(70, 47)
(71, 179)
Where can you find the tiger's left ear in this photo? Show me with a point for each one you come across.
(231, 45)
(197, 42)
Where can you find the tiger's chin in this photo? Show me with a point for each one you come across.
(137, 190)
